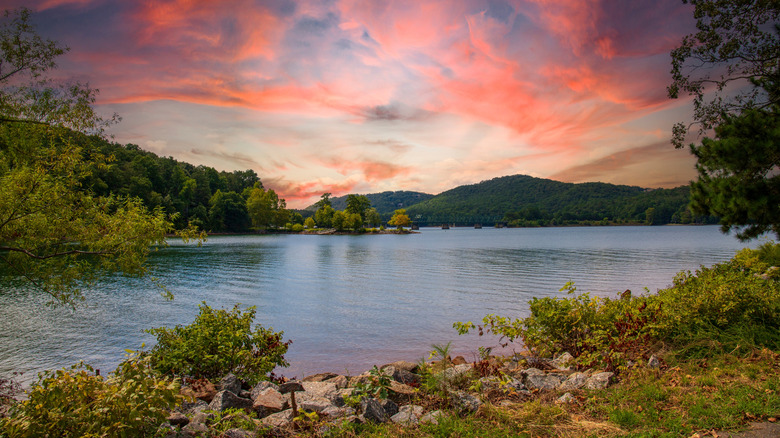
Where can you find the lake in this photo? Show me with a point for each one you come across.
(350, 302)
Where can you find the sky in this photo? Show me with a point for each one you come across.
(348, 96)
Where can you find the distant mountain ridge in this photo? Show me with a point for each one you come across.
(528, 201)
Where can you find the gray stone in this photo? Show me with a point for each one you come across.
(653, 362)
(315, 404)
(178, 419)
(337, 412)
(432, 417)
(203, 417)
(192, 408)
(291, 386)
(562, 362)
(402, 365)
(320, 377)
(195, 429)
(230, 383)
(227, 400)
(314, 390)
(390, 407)
(599, 381)
(409, 414)
(339, 381)
(574, 381)
(455, 372)
(237, 433)
(566, 398)
(466, 402)
(262, 386)
(538, 379)
(270, 401)
(279, 419)
(373, 411)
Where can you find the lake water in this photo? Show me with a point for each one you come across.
(349, 302)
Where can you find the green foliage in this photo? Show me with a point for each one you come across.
(54, 235)
(75, 402)
(375, 385)
(738, 179)
(357, 204)
(728, 307)
(309, 223)
(219, 342)
(297, 228)
(730, 63)
(385, 202)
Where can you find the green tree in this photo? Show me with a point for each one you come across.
(309, 223)
(400, 219)
(54, 234)
(339, 220)
(357, 204)
(228, 212)
(373, 218)
(730, 64)
(353, 221)
(324, 216)
(731, 68)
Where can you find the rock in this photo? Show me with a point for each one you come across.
(178, 419)
(432, 417)
(339, 381)
(459, 360)
(228, 400)
(389, 406)
(401, 376)
(269, 402)
(653, 362)
(566, 398)
(599, 381)
(195, 429)
(260, 387)
(279, 419)
(315, 404)
(237, 433)
(409, 414)
(203, 417)
(538, 379)
(373, 411)
(574, 381)
(291, 386)
(192, 408)
(321, 377)
(201, 390)
(466, 402)
(318, 390)
(455, 372)
(562, 362)
(230, 383)
(402, 365)
(337, 412)
(166, 430)
(399, 392)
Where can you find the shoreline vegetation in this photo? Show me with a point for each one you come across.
(700, 358)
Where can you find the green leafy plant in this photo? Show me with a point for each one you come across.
(219, 342)
(77, 402)
(376, 385)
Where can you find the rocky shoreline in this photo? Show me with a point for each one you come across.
(390, 393)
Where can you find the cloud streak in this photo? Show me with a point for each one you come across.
(453, 89)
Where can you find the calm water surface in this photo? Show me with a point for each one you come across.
(349, 302)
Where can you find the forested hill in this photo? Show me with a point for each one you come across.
(385, 203)
(527, 201)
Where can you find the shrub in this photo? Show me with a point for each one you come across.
(219, 342)
(75, 402)
(297, 228)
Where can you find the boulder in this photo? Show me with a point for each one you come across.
(566, 399)
(314, 390)
(373, 411)
(466, 402)
(339, 381)
(409, 414)
(269, 402)
(574, 381)
(390, 407)
(195, 430)
(321, 377)
(455, 372)
(315, 404)
(260, 387)
(178, 419)
(599, 380)
(401, 376)
(230, 383)
(279, 419)
(228, 400)
(459, 360)
(237, 433)
(563, 362)
(534, 378)
(399, 392)
(337, 412)
(432, 417)
(402, 365)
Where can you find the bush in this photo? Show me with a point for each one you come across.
(297, 228)
(219, 342)
(733, 305)
(75, 402)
